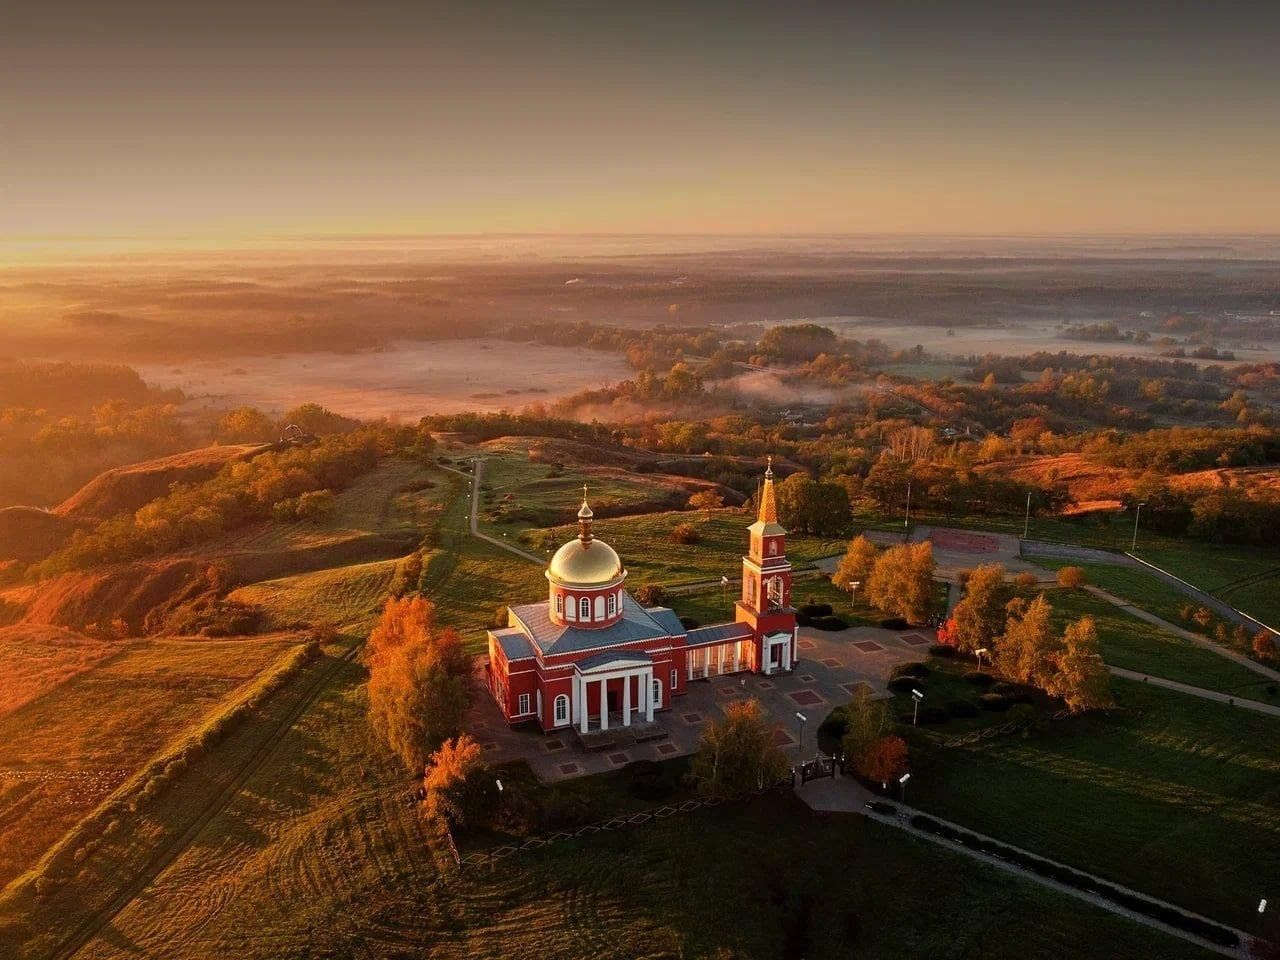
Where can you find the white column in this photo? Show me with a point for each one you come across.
(648, 696)
(604, 704)
(626, 700)
(580, 697)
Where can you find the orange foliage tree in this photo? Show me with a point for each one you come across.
(886, 760)
(419, 680)
(458, 785)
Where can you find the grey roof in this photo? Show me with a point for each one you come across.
(551, 638)
(719, 633)
(612, 656)
(667, 618)
(515, 645)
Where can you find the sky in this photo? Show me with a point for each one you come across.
(211, 123)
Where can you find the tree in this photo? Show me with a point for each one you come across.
(901, 581)
(867, 720)
(419, 680)
(1080, 677)
(1072, 578)
(458, 784)
(707, 500)
(738, 755)
(246, 425)
(1264, 645)
(885, 761)
(807, 506)
(1025, 651)
(978, 618)
(856, 564)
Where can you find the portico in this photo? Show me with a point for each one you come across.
(626, 678)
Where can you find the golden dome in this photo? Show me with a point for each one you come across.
(585, 564)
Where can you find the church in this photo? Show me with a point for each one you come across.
(591, 657)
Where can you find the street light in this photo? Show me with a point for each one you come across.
(1026, 524)
(978, 653)
(724, 589)
(917, 696)
(906, 521)
(853, 591)
(1134, 546)
(802, 718)
(902, 784)
(499, 783)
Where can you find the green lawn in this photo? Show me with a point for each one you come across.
(319, 856)
(1212, 567)
(1176, 796)
(651, 556)
(349, 598)
(1134, 644)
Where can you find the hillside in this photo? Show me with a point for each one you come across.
(30, 533)
(125, 489)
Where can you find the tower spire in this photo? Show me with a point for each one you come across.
(768, 500)
(584, 519)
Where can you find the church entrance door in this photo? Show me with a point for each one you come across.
(614, 705)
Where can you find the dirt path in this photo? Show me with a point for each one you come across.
(846, 795)
(170, 851)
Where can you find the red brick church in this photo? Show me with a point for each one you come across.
(591, 656)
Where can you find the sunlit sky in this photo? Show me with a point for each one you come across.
(229, 121)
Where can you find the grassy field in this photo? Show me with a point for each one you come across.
(320, 856)
(1212, 567)
(64, 752)
(35, 659)
(1176, 796)
(349, 598)
(1134, 644)
(650, 555)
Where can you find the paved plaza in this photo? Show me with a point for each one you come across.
(831, 668)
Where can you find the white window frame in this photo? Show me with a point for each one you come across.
(599, 607)
(559, 604)
(656, 692)
(523, 704)
(675, 679)
(571, 608)
(584, 608)
(561, 701)
(613, 604)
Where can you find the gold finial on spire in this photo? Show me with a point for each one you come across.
(768, 500)
(584, 518)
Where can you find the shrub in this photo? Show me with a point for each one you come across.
(689, 623)
(933, 715)
(941, 650)
(894, 623)
(835, 725)
(566, 812)
(979, 679)
(962, 708)
(685, 533)
(995, 702)
(1026, 580)
(910, 670)
(816, 609)
(829, 623)
(903, 684)
(651, 595)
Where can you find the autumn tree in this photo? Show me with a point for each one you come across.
(901, 581)
(1264, 645)
(885, 761)
(1080, 677)
(808, 506)
(738, 755)
(856, 564)
(867, 721)
(419, 680)
(978, 618)
(458, 784)
(1072, 578)
(1026, 650)
(246, 425)
(707, 500)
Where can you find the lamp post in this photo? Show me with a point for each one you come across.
(916, 696)
(1138, 513)
(800, 748)
(853, 591)
(906, 520)
(978, 653)
(724, 590)
(1026, 524)
(902, 786)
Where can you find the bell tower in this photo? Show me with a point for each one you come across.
(765, 603)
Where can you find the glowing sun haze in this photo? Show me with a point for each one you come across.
(229, 122)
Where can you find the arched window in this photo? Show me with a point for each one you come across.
(657, 693)
(571, 609)
(600, 608)
(613, 604)
(775, 591)
(584, 608)
(562, 709)
(773, 547)
(559, 604)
